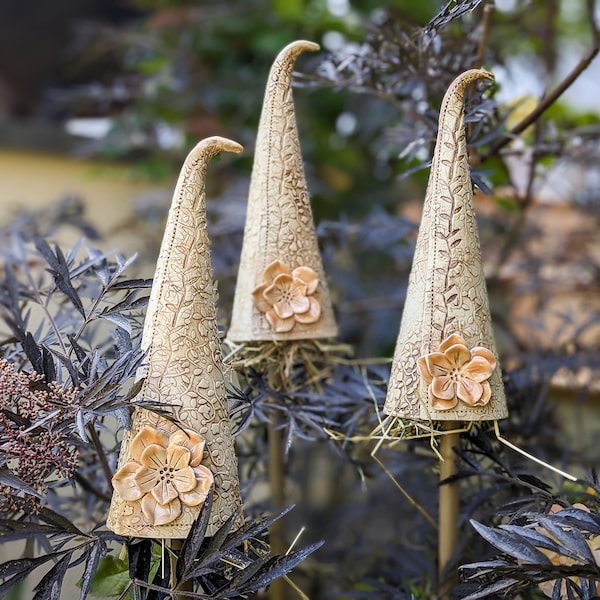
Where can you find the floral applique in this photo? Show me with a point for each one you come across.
(164, 473)
(456, 373)
(286, 296)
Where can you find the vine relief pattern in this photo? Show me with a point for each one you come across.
(184, 367)
(279, 220)
(446, 290)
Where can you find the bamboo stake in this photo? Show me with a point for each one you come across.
(449, 507)
(277, 532)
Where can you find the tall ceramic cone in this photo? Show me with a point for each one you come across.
(185, 371)
(279, 236)
(447, 298)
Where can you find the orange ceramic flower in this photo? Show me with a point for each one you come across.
(456, 373)
(165, 471)
(286, 296)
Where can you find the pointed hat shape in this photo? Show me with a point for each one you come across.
(184, 370)
(281, 292)
(445, 362)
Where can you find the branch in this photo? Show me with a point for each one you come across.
(545, 102)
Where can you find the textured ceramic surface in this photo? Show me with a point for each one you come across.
(279, 222)
(185, 369)
(446, 291)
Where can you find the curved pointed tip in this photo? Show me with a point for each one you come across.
(297, 47)
(217, 144)
(468, 77)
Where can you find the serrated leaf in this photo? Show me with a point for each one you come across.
(572, 539)
(245, 574)
(92, 561)
(140, 558)
(50, 585)
(7, 477)
(277, 567)
(538, 539)
(18, 569)
(511, 544)
(50, 516)
(498, 586)
(212, 553)
(192, 543)
(16, 530)
(119, 320)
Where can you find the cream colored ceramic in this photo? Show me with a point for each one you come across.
(281, 291)
(445, 362)
(166, 466)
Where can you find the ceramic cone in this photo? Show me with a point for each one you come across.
(446, 293)
(184, 364)
(280, 229)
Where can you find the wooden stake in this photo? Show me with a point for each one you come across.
(277, 590)
(449, 508)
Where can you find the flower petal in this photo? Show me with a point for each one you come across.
(441, 403)
(274, 269)
(158, 514)
(164, 491)
(438, 364)
(422, 364)
(280, 288)
(469, 391)
(308, 276)
(259, 300)
(178, 457)
(443, 387)
(283, 309)
(280, 325)
(477, 369)
(204, 479)
(184, 480)
(146, 437)
(312, 315)
(487, 394)
(146, 479)
(300, 304)
(154, 456)
(451, 340)
(458, 354)
(124, 481)
(485, 353)
(191, 440)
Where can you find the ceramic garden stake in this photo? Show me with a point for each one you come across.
(281, 292)
(281, 300)
(167, 466)
(445, 364)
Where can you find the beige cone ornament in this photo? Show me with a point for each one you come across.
(167, 466)
(281, 292)
(445, 365)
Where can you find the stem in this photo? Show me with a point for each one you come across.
(488, 9)
(186, 586)
(449, 508)
(545, 102)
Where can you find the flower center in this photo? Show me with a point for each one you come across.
(455, 375)
(166, 474)
(285, 294)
